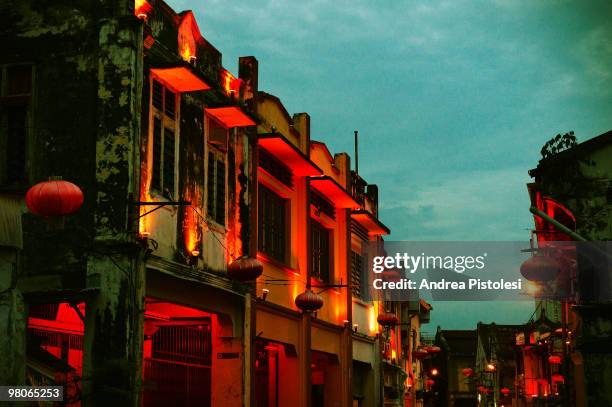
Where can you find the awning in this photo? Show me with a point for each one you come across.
(230, 116)
(288, 154)
(370, 223)
(181, 79)
(333, 191)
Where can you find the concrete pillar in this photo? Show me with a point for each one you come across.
(346, 364)
(13, 321)
(114, 330)
(113, 343)
(304, 353)
(249, 350)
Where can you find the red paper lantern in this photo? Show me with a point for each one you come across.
(482, 389)
(468, 372)
(430, 382)
(54, 198)
(388, 319)
(554, 359)
(540, 268)
(245, 269)
(308, 301)
(419, 353)
(432, 349)
(505, 391)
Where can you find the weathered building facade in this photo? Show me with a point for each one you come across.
(186, 171)
(572, 201)
(129, 298)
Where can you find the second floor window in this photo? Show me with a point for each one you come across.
(272, 224)
(15, 118)
(358, 288)
(163, 131)
(321, 252)
(216, 186)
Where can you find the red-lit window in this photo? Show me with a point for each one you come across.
(322, 205)
(164, 131)
(177, 355)
(272, 224)
(275, 168)
(15, 122)
(321, 251)
(55, 348)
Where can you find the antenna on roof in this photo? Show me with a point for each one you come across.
(356, 152)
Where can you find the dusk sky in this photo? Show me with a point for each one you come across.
(453, 101)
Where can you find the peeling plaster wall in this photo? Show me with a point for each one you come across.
(90, 126)
(87, 64)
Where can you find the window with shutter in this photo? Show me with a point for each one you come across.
(274, 167)
(169, 162)
(15, 117)
(217, 134)
(358, 288)
(163, 131)
(216, 186)
(157, 157)
(321, 255)
(220, 193)
(272, 224)
(322, 205)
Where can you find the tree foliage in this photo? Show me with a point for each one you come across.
(558, 144)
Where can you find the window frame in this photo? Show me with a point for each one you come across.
(219, 154)
(317, 226)
(359, 290)
(285, 237)
(166, 123)
(26, 100)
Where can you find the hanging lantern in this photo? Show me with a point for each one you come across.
(430, 382)
(419, 353)
(554, 359)
(387, 319)
(505, 391)
(54, 198)
(309, 301)
(245, 269)
(540, 268)
(557, 378)
(433, 349)
(468, 372)
(482, 389)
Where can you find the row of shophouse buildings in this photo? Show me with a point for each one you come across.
(562, 356)
(216, 258)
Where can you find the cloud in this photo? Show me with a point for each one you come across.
(469, 206)
(453, 99)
